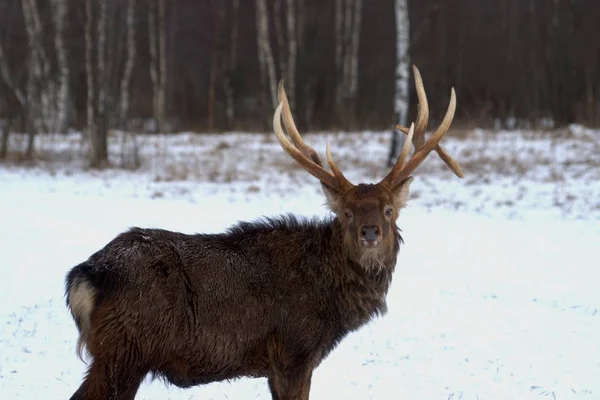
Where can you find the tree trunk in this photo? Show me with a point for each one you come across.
(45, 85)
(8, 79)
(129, 63)
(281, 48)
(264, 46)
(153, 63)
(347, 41)
(162, 45)
(355, 47)
(62, 97)
(347, 61)
(34, 78)
(301, 26)
(401, 98)
(96, 127)
(292, 53)
(339, 56)
(227, 82)
(4, 139)
(214, 64)
(101, 71)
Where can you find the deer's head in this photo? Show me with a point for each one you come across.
(368, 212)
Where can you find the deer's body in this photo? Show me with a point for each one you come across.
(265, 299)
(260, 299)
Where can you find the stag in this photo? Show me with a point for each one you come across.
(270, 298)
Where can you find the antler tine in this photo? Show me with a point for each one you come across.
(423, 113)
(305, 162)
(402, 171)
(288, 121)
(450, 162)
(406, 146)
(290, 126)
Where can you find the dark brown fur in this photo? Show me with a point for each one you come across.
(269, 298)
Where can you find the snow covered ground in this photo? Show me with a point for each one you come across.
(495, 296)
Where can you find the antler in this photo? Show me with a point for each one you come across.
(416, 134)
(422, 117)
(304, 155)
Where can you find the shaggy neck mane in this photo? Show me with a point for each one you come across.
(331, 229)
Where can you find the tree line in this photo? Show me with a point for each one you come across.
(210, 65)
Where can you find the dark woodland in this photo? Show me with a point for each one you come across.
(523, 60)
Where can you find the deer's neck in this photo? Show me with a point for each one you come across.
(363, 283)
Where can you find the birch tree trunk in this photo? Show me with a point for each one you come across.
(264, 46)
(46, 83)
(34, 78)
(229, 91)
(62, 97)
(292, 52)
(401, 98)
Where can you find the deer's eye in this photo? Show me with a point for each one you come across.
(348, 214)
(389, 211)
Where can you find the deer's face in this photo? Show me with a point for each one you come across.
(368, 213)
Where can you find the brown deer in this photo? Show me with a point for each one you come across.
(269, 298)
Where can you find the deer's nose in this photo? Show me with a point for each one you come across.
(370, 232)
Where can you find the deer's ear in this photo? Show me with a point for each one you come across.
(400, 193)
(334, 198)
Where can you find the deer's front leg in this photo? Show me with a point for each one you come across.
(294, 386)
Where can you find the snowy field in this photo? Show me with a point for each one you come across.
(496, 294)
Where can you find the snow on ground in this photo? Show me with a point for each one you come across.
(495, 295)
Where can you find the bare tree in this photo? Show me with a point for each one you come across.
(4, 136)
(292, 41)
(155, 74)
(10, 83)
(348, 21)
(339, 55)
(101, 71)
(401, 96)
(265, 55)
(125, 87)
(59, 13)
(280, 37)
(215, 52)
(232, 65)
(89, 73)
(96, 124)
(354, 50)
(162, 46)
(129, 63)
(37, 69)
